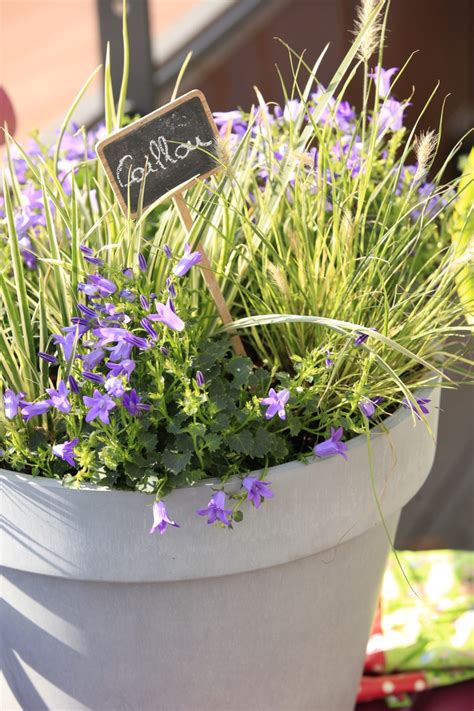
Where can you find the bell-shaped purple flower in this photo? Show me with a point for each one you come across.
(93, 377)
(59, 398)
(32, 409)
(390, 116)
(383, 78)
(65, 451)
(115, 386)
(89, 255)
(422, 403)
(149, 328)
(333, 445)
(73, 384)
(87, 311)
(99, 405)
(66, 342)
(257, 490)
(127, 295)
(102, 286)
(142, 265)
(125, 367)
(367, 407)
(215, 510)
(92, 359)
(328, 361)
(161, 520)
(11, 402)
(188, 260)
(275, 403)
(133, 404)
(48, 358)
(200, 380)
(166, 314)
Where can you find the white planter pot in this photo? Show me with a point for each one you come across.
(274, 615)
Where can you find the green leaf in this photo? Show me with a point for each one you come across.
(263, 442)
(221, 422)
(294, 423)
(214, 352)
(176, 462)
(213, 441)
(241, 369)
(241, 442)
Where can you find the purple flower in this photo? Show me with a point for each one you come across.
(48, 358)
(142, 263)
(137, 341)
(421, 402)
(383, 78)
(164, 351)
(128, 272)
(257, 490)
(110, 334)
(73, 384)
(65, 451)
(215, 509)
(234, 119)
(93, 377)
(188, 260)
(328, 362)
(79, 325)
(66, 342)
(144, 302)
(123, 338)
(31, 409)
(161, 521)
(275, 403)
(127, 295)
(59, 398)
(171, 288)
(99, 405)
(200, 380)
(92, 359)
(11, 402)
(291, 110)
(89, 255)
(367, 407)
(166, 314)
(390, 116)
(87, 311)
(333, 445)
(100, 284)
(133, 404)
(167, 251)
(126, 368)
(149, 328)
(115, 386)
(345, 114)
(361, 338)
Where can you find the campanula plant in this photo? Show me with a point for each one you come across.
(331, 236)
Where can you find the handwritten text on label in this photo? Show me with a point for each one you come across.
(160, 154)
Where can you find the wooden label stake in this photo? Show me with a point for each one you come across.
(209, 276)
(161, 155)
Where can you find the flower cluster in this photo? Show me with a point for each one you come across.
(329, 243)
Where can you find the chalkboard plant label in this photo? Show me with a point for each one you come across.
(162, 153)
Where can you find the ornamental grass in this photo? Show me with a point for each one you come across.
(341, 254)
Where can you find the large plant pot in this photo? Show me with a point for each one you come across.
(98, 614)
